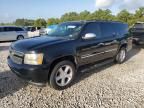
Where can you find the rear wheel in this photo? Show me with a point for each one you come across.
(62, 75)
(20, 37)
(121, 56)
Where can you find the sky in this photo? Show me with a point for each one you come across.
(33, 9)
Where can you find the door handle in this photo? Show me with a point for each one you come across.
(114, 34)
(101, 44)
(114, 41)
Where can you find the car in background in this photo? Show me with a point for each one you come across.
(11, 33)
(35, 31)
(51, 28)
(137, 31)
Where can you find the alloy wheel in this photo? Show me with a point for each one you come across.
(64, 75)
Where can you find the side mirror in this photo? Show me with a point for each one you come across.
(89, 36)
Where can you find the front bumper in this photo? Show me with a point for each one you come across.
(35, 74)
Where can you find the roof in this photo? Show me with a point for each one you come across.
(88, 21)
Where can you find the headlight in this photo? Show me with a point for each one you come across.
(33, 59)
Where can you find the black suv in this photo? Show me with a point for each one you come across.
(57, 56)
(137, 32)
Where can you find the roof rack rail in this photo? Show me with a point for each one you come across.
(103, 20)
(96, 21)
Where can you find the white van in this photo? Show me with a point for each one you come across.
(9, 33)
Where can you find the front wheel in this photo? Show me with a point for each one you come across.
(121, 56)
(62, 75)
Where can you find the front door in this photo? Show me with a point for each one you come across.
(89, 51)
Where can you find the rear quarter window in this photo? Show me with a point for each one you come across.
(19, 29)
(120, 29)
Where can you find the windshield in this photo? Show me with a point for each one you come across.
(66, 30)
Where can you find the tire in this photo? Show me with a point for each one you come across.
(121, 55)
(59, 79)
(20, 37)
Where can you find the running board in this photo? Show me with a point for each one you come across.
(87, 68)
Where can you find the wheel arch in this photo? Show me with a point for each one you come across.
(123, 44)
(19, 35)
(57, 60)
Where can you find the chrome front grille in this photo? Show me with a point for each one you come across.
(16, 56)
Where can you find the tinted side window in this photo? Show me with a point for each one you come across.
(18, 29)
(121, 29)
(1, 29)
(92, 28)
(107, 29)
(9, 29)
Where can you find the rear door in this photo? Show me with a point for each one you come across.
(110, 39)
(9, 33)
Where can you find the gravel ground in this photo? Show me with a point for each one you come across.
(109, 86)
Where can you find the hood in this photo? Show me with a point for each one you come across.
(32, 43)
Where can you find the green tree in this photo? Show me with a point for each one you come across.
(84, 15)
(20, 22)
(24, 22)
(72, 16)
(7, 24)
(29, 22)
(40, 23)
(139, 14)
(126, 17)
(52, 21)
(102, 15)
